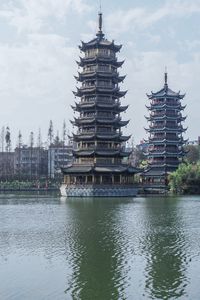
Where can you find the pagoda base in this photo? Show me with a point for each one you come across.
(98, 190)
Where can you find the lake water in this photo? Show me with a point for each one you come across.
(99, 249)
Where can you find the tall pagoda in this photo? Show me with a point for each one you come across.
(100, 165)
(165, 143)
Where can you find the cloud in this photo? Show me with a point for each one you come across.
(32, 15)
(141, 18)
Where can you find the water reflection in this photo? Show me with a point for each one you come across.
(165, 247)
(97, 250)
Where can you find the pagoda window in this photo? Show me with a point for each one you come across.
(104, 161)
(89, 99)
(89, 83)
(106, 52)
(104, 129)
(88, 114)
(91, 68)
(104, 83)
(105, 114)
(104, 68)
(104, 99)
(86, 160)
(91, 52)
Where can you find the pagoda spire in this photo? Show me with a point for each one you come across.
(166, 77)
(100, 23)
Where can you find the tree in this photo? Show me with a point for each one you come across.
(192, 155)
(2, 138)
(50, 140)
(8, 139)
(186, 179)
(31, 153)
(57, 141)
(39, 139)
(19, 145)
(50, 133)
(64, 133)
(8, 149)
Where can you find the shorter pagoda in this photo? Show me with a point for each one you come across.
(165, 143)
(100, 166)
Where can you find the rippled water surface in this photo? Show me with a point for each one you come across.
(99, 249)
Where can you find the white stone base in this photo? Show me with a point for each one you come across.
(98, 191)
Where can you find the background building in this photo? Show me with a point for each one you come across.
(30, 162)
(6, 165)
(59, 156)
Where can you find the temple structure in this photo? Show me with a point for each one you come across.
(100, 165)
(165, 143)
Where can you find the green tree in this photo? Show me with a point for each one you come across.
(186, 179)
(192, 155)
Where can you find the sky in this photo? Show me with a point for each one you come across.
(39, 47)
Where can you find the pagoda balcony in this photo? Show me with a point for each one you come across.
(177, 128)
(92, 148)
(166, 116)
(99, 100)
(166, 113)
(165, 140)
(98, 69)
(170, 103)
(165, 153)
(98, 85)
(95, 60)
(165, 106)
(154, 162)
(99, 54)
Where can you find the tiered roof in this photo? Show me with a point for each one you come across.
(99, 123)
(165, 150)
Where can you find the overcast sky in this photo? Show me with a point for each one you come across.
(38, 50)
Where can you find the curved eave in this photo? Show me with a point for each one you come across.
(165, 92)
(89, 137)
(170, 165)
(86, 106)
(166, 154)
(165, 142)
(164, 129)
(95, 59)
(84, 137)
(98, 90)
(105, 75)
(158, 118)
(96, 120)
(165, 106)
(100, 43)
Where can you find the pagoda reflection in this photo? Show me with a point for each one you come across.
(165, 248)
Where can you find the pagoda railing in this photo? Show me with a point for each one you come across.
(160, 103)
(111, 133)
(90, 118)
(160, 138)
(165, 114)
(166, 126)
(97, 100)
(101, 148)
(99, 54)
(164, 161)
(101, 70)
(98, 85)
(163, 149)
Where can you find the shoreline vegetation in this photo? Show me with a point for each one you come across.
(10, 186)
